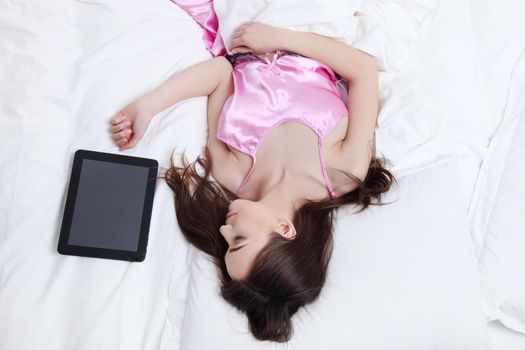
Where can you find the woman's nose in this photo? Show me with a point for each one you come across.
(227, 233)
(224, 231)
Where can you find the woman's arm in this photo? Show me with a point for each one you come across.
(360, 70)
(202, 79)
(258, 37)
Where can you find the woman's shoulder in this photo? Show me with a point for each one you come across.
(229, 169)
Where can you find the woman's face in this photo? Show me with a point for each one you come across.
(247, 230)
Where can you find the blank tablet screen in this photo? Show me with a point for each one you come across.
(109, 205)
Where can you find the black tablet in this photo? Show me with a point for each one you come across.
(108, 206)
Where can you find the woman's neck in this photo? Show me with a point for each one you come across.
(279, 192)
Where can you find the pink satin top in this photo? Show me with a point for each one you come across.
(266, 94)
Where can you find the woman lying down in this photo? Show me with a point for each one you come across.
(285, 152)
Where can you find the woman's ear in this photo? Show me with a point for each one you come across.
(286, 229)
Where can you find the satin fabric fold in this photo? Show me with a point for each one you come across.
(204, 14)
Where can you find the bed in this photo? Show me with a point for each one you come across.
(440, 268)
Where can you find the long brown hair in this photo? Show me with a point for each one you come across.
(286, 274)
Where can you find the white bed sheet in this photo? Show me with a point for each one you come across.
(67, 66)
(498, 202)
(505, 338)
(498, 218)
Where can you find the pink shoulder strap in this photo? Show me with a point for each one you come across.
(241, 186)
(323, 167)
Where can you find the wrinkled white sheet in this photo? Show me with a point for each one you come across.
(67, 66)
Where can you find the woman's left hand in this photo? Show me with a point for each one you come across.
(257, 37)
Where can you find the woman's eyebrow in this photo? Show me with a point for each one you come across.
(237, 248)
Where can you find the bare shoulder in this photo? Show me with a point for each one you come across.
(226, 170)
(224, 64)
(224, 163)
(352, 157)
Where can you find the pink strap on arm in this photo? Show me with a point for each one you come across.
(241, 186)
(203, 13)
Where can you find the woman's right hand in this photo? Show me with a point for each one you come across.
(129, 125)
(258, 38)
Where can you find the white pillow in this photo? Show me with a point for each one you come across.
(402, 276)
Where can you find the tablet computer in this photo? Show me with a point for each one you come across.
(108, 206)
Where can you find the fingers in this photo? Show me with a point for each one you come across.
(117, 118)
(239, 40)
(238, 35)
(121, 126)
(132, 142)
(243, 25)
(242, 49)
(122, 142)
(120, 129)
(121, 134)
(236, 42)
(239, 45)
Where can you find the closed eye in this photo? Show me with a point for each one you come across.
(237, 248)
(236, 239)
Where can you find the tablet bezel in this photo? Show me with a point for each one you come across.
(104, 253)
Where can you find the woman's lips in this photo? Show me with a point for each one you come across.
(230, 213)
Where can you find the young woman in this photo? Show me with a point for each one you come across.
(284, 151)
